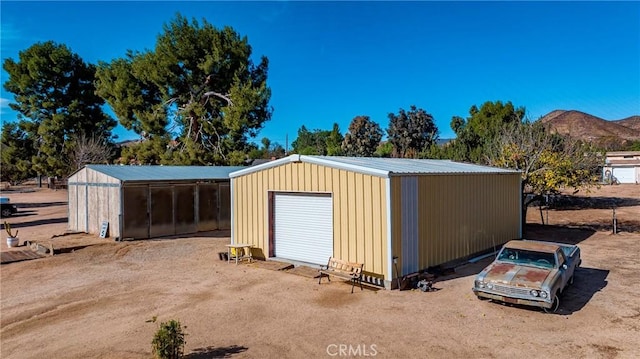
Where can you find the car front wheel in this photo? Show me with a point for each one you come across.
(554, 306)
(6, 212)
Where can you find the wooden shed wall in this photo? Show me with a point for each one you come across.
(359, 209)
(93, 198)
(456, 216)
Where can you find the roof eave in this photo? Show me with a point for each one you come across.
(264, 166)
(313, 160)
(346, 167)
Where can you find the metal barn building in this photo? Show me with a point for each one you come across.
(370, 210)
(141, 202)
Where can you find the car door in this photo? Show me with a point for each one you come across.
(563, 269)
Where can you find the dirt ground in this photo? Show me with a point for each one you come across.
(94, 302)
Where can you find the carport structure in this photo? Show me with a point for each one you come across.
(140, 202)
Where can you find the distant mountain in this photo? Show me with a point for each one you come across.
(591, 128)
(632, 122)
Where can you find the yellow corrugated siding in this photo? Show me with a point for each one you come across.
(367, 218)
(358, 202)
(460, 215)
(352, 222)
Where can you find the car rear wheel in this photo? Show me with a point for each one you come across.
(6, 212)
(554, 306)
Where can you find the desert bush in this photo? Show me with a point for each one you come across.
(168, 342)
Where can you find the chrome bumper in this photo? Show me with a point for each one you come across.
(513, 300)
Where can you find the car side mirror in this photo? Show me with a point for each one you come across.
(564, 266)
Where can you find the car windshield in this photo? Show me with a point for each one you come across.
(524, 257)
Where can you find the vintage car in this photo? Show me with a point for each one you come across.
(532, 273)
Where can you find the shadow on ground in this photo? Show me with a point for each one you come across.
(561, 234)
(578, 202)
(587, 282)
(37, 222)
(210, 234)
(215, 352)
(22, 213)
(40, 205)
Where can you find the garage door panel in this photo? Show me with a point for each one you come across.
(625, 174)
(304, 227)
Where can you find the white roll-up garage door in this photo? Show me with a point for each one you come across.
(304, 227)
(625, 174)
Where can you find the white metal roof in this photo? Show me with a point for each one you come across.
(165, 173)
(382, 167)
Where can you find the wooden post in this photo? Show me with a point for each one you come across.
(615, 221)
(546, 206)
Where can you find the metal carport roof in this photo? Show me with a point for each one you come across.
(165, 173)
(383, 167)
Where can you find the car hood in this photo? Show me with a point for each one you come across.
(516, 275)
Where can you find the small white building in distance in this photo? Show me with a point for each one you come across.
(622, 167)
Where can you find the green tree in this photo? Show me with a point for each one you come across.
(149, 152)
(318, 142)
(267, 151)
(411, 132)
(16, 151)
(385, 149)
(547, 162)
(199, 85)
(56, 103)
(334, 141)
(363, 137)
(480, 129)
(435, 151)
(306, 142)
(634, 146)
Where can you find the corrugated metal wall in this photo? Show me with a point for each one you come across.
(359, 210)
(135, 218)
(208, 207)
(458, 215)
(165, 209)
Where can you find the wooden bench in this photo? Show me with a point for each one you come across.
(343, 269)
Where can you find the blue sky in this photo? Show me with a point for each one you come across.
(332, 61)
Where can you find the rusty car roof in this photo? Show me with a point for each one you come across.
(533, 245)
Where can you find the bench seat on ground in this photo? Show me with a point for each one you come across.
(342, 269)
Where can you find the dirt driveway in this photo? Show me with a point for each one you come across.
(94, 302)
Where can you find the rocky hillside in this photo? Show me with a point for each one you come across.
(591, 128)
(632, 122)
